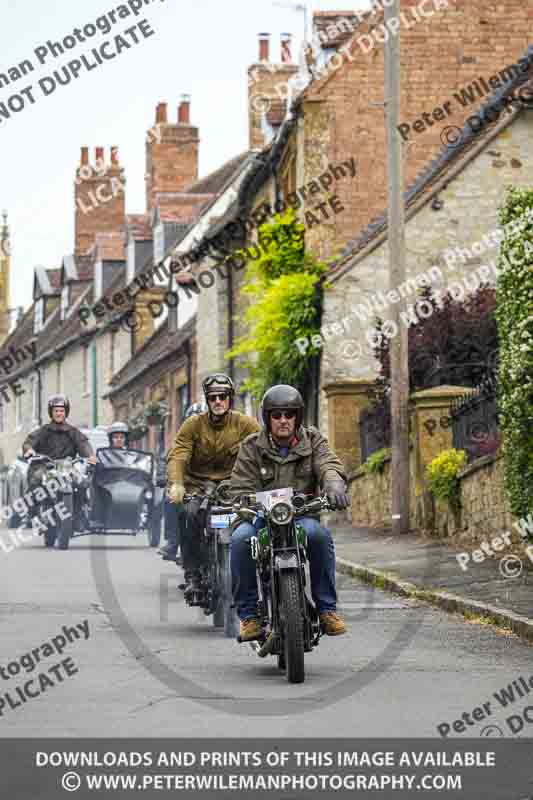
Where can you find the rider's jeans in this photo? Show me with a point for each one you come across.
(174, 523)
(321, 554)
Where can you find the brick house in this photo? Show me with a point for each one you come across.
(337, 114)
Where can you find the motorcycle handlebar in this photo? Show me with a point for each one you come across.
(314, 506)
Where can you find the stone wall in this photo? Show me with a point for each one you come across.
(483, 515)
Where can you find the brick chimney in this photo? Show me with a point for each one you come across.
(264, 47)
(267, 88)
(286, 55)
(99, 196)
(171, 152)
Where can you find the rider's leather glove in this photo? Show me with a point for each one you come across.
(176, 492)
(336, 492)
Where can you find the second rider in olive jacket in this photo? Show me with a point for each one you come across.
(204, 451)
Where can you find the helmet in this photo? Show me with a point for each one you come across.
(196, 408)
(58, 401)
(117, 427)
(218, 382)
(282, 398)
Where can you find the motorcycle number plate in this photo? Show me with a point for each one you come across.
(222, 520)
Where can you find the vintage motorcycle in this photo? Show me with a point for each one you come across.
(213, 593)
(66, 481)
(286, 613)
(122, 494)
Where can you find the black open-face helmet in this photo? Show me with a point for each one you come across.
(282, 398)
(58, 401)
(118, 427)
(218, 382)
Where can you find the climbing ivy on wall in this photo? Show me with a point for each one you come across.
(514, 316)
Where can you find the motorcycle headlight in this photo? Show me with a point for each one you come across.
(281, 513)
(149, 494)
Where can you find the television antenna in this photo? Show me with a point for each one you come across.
(296, 7)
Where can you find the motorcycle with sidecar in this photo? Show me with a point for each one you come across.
(123, 494)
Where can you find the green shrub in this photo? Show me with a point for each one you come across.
(514, 316)
(376, 462)
(284, 284)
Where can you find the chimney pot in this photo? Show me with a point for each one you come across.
(161, 113)
(184, 110)
(114, 156)
(84, 156)
(264, 47)
(99, 154)
(286, 55)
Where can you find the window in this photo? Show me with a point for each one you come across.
(18, 412)
(65, 296)
(34, 401)
(183, 402)
(98, 280)
(130, 274)
(2, 416)
(114, 353)
(159, 243)
(38, 318)
(86, 371)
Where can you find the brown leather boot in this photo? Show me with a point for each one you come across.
(250, 629)
(332, 624)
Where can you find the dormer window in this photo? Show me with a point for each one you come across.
(131, 261)
(38, 318)
(159, 242)
(65, 297)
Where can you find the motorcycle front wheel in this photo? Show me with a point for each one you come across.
(293, 627)
(66, 526)
(217, 584)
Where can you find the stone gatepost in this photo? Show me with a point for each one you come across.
(346, 401)
(431, 431)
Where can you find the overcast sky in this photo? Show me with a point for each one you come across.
(201, 48)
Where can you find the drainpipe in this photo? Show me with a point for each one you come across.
(230, 322)
(94, 382)
(188, 351)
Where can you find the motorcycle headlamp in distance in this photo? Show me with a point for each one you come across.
(281, 513)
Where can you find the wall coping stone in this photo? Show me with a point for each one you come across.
(349, 386)
(437, 396)
(479, 463)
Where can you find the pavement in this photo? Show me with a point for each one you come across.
(421, 567)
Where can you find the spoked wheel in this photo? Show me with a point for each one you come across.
(230, 615)
(216, 585)
(154, 529)
(66, 526)
(293, 628)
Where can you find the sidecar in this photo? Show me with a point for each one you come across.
(122, 494)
